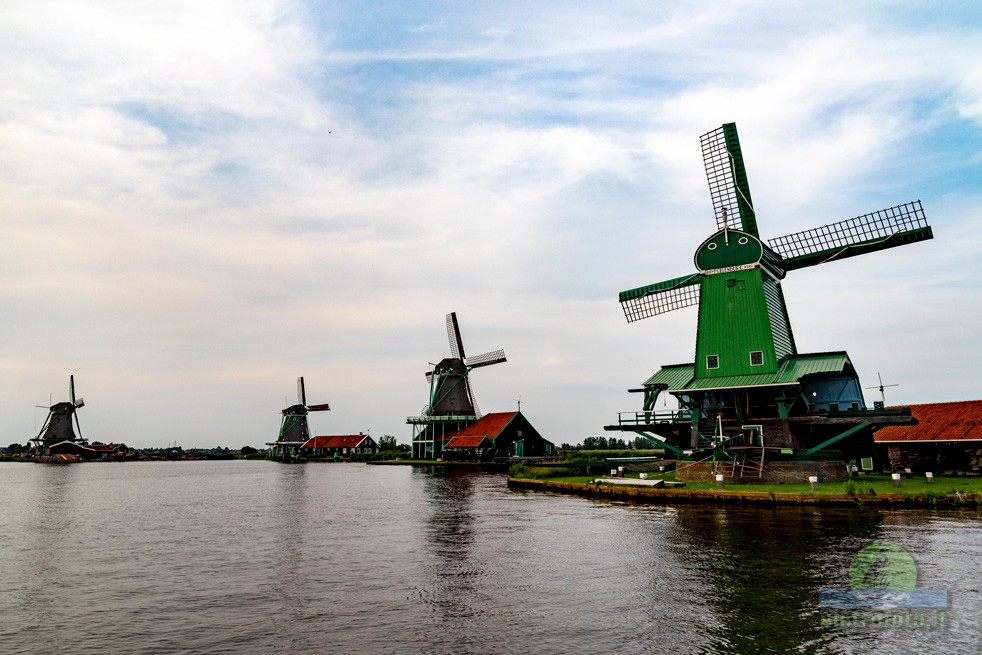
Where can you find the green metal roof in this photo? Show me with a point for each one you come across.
(737, 381)
(795, 367)
(675, 376)
(680, 377)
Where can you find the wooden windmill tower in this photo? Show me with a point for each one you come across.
(452, 404)
(61, 422)
(294, 431)
(748, 386)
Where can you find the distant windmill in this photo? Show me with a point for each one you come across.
(452, 405)
(883, 396)
(62, 420)
(294, 430)
(451, 392)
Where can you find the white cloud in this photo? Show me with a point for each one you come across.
(201, 202)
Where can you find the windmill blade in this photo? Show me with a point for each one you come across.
(71, 388)
(301, 392)
(323, 407)
(487, 359)
(661, 297)
(727, 177)
(453, 333)
(887, 228)
(470, 392)
(77, 425)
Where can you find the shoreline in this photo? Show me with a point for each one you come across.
(722, 497)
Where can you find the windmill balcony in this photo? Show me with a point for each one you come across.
(648, 418)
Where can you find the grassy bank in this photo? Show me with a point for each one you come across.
(956, 491)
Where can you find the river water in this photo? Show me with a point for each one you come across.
(257, 557)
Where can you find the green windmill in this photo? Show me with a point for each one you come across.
(748, 387)
(294, 430)
(452, 404)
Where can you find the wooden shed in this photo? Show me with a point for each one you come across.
(946, 437)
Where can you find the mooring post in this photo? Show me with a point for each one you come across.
(896, 479)
(930, 477)
(813, 482)
(719, 480)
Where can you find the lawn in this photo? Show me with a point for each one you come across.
(857, 485)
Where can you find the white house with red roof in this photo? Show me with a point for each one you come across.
(340, 446)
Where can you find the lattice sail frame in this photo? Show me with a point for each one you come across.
(836, 238)
(660, 298)
(487, 359)
(727, 176)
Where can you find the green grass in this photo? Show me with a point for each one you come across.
(865, 485)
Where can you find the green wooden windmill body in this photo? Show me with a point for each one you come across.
(746, 365)
(452, 405)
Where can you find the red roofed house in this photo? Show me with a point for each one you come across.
(496, 435)
(338, 446)
(947, 437)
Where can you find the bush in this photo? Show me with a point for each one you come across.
(519, 470)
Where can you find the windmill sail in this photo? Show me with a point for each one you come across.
(453, 334)
(661, 297)
(887, 228)
(487, 359)
(727, 177)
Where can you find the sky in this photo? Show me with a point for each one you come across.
(200, 202)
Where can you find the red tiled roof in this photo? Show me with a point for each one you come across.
(468, 442)
(339, 441)
(490, 426)
(959, 421)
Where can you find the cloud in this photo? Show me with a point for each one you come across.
(202, 202)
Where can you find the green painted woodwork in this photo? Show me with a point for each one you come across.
(728, 248)
(837, 438)
(747, 214)
(734, 321)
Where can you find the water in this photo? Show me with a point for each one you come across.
(256, 557)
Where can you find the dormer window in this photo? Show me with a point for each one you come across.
(712, 361)
(756, 357)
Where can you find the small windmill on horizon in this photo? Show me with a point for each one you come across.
(62, 421)
(452, 404)
(294, 429)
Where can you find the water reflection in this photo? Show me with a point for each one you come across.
(762, 569)
(48, 535)
(449, 529)
(284, 588)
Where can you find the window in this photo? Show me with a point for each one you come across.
(756, 357)
(712, 361)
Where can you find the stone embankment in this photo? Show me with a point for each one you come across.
(732, 497)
